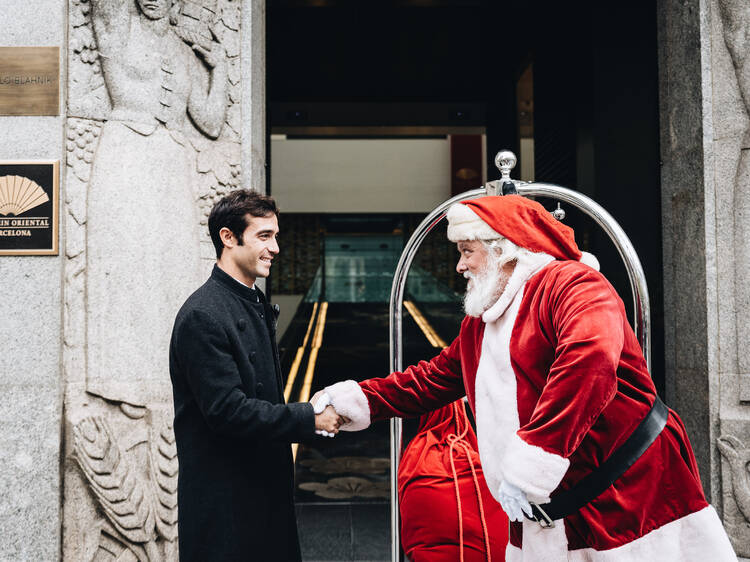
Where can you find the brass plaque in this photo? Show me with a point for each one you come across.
(29, 80)
(29, 196)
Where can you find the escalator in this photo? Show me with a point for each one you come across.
(340, 332)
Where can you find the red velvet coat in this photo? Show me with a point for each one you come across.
(557, 381)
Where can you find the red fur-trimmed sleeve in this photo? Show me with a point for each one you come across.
(584, 316)
(420, 388)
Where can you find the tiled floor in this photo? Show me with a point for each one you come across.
(351, 532)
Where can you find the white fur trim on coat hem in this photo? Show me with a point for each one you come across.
(697, 537)
(533, 469)
(349, 401)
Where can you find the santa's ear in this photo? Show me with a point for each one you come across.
(493, 246)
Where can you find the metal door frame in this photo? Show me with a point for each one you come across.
(505, 161)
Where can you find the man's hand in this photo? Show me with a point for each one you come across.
(327, 422)
(513, 501)
(321, 402)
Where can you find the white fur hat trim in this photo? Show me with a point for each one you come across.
(465, 224)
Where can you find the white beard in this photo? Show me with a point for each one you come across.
(484, 289)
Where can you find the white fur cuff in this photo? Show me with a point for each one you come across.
(350, 402)
(533, 469)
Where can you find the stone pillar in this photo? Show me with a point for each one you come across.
(154, 136)
(254, 103)
(704, 56)
(30, 330)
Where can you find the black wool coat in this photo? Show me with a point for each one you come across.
(233, 430)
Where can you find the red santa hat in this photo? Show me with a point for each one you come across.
(524, 222)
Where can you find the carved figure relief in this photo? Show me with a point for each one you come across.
(738, 457)
(141, 513)
(153, 140)
(735, 19)
(142, 178)
(736, 490)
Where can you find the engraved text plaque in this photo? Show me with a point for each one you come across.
(29, 80)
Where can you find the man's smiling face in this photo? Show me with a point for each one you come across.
(254, 254)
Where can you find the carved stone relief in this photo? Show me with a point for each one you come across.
(735, 19)
(731, 102)
(139, 509)
(153, 139)
(736, 486)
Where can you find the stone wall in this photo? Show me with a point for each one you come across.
(30, 388)
(705, 143)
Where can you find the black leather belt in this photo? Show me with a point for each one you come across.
(569, 501)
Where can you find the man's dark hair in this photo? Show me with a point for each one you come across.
(231, 211)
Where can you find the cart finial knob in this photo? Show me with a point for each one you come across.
(505, 162)
(559, 213)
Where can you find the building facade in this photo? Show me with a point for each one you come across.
(88, 453)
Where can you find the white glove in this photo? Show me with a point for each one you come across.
(321, 403)
(318, 406)
(513, 501)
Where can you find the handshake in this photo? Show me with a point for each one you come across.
(327, 421)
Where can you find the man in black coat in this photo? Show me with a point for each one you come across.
(233, 429)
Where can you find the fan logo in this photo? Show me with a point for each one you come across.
(19, 194)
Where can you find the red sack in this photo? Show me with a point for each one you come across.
(447, 512)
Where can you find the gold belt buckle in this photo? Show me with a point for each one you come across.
(545, 522)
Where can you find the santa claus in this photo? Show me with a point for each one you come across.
(576, 446)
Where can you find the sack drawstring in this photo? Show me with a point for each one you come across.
(459, 442)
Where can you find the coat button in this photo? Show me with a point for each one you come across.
(262, 315)
(259, 389)
(251, 356)
(242, 324)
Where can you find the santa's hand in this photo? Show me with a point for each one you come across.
(320, 401)
(513, 501)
